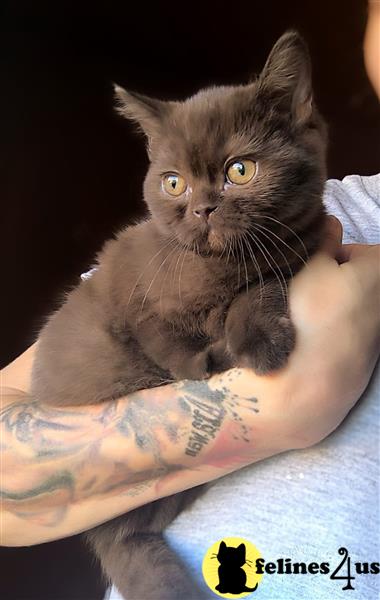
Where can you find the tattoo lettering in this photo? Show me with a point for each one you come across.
(209, 408)
(87, 451)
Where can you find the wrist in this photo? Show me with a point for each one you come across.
(269, 424)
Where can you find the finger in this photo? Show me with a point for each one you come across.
(332, 238)
(347, 251)
(352, 251)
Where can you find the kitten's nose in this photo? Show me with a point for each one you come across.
(204, 211)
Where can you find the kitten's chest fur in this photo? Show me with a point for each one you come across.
(158, 279)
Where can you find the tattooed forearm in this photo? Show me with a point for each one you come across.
(44, 430)
(209, 408)
(55, 458)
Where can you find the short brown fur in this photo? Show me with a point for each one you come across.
(193, 281)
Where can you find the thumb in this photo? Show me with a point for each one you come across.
(355, 251)
(332, 237)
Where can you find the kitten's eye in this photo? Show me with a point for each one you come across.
(173, 184)
(241, 171)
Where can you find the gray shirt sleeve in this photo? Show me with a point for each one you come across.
(356, 202)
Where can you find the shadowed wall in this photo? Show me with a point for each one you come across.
(72, 170)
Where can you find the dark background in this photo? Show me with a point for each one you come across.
(72, 170)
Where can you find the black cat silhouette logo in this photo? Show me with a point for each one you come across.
(228, 568)
(232, 578)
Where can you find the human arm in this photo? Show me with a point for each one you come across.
(65, 470)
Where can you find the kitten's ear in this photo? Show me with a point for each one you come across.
(287, 76)
(222, 546)
(147, 112)
(241, 550)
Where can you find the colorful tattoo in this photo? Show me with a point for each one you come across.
(122, 447)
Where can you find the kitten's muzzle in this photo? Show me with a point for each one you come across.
(205, 211)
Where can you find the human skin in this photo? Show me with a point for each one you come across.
(65, 470)
(372, 45)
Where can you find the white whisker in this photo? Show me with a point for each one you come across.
(245, 264)
(170, 241)
(163, 284)
(256, 265)
(291, 231)
(147, 265)
(265, 254)
(180, 274)
(154, 278)
(282, 241)
(238, 260)
(275, 245)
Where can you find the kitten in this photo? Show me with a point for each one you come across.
(234, 190)
(232, 578)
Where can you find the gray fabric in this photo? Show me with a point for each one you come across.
(305, 505)
(356, 203)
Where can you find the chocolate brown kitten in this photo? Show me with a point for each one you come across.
(234, 190)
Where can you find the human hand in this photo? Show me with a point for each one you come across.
(335, 306)
(334, 303)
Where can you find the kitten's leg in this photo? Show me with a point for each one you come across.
(143, 567)
(186, 357)
(80, 361)
(259, 331)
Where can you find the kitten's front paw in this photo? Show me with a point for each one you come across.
(197, 366)
(214, 359)
(264, 347)
(219, 359)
